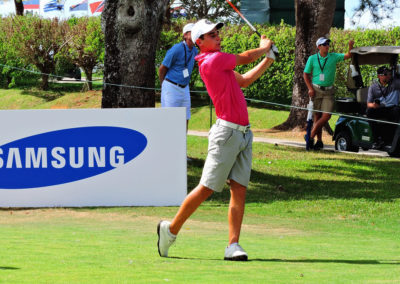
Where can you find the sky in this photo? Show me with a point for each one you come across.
(7, 6)
(365, 21)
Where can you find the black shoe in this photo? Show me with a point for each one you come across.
(309, 142)
(378, 145)
(319, 145)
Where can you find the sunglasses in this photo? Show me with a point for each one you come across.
(325, 44)
(385, 74)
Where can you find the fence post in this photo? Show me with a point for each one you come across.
(210, 112)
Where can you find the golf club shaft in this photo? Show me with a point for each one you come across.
(244, 19)
(274, 48)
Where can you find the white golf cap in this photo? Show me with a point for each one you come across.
(202, 27)
(187, 28)
(322, 40)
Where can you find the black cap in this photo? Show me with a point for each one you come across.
(383, 70)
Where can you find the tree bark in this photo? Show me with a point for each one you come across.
(19, 7)
(314, 19)
(44, 85)
(132, 29)
(89, 78)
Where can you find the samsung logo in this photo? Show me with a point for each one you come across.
(73, 157)
(67, 155)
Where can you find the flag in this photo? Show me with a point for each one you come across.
(31, 4)
(81, 6)
(53, 5)
(97, 7)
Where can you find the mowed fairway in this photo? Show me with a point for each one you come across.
(310, 218)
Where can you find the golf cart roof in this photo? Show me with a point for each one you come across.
(375, 55)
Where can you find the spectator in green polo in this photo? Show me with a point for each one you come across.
(319, 75)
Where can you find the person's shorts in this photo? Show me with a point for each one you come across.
(324, 100)
(175, 96)
(229, 157)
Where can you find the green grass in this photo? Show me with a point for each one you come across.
(67, 95)
(310, 218)
(261, 117)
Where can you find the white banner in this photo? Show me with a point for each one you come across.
(92, 157)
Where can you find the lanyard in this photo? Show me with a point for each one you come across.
(186, 60)
(384, 94)
(319, 62)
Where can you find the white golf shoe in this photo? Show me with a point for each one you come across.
(165, 238)
(235, 252)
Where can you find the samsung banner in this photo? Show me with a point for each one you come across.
(96, 157)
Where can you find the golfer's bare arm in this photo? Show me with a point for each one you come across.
(253, 54)
(162, 71)
(348, 54)
(250, 76)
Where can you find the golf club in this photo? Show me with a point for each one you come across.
(274, 48)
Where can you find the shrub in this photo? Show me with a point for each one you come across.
(276, 84)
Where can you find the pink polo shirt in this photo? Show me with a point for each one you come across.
(216, 70)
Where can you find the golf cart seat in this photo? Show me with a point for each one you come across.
(362, 96)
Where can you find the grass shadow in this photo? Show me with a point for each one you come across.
(47, 96)
(9, 268)
(55, 91)
(346, 261)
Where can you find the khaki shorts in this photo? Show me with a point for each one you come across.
(324, 100)
(229, 157)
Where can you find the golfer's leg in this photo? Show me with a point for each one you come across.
(236, 210)
(189, 205)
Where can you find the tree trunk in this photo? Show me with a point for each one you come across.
(19, 7)
(44, 85)
(88, 74)
(314, 19)
(132, 29)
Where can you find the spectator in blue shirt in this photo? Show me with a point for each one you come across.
(175, 72)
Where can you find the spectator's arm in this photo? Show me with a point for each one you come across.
(348, 54)
(307, 80)
(162, 71)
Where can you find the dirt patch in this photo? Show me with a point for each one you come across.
(59, 107)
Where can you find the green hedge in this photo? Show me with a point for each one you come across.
(277, 83)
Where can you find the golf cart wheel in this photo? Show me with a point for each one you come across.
(394, 155)
(343, 143)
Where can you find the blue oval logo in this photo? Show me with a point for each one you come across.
(67, 155)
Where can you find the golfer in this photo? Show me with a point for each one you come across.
(319, 76)
(230, 139)
(175, 71)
